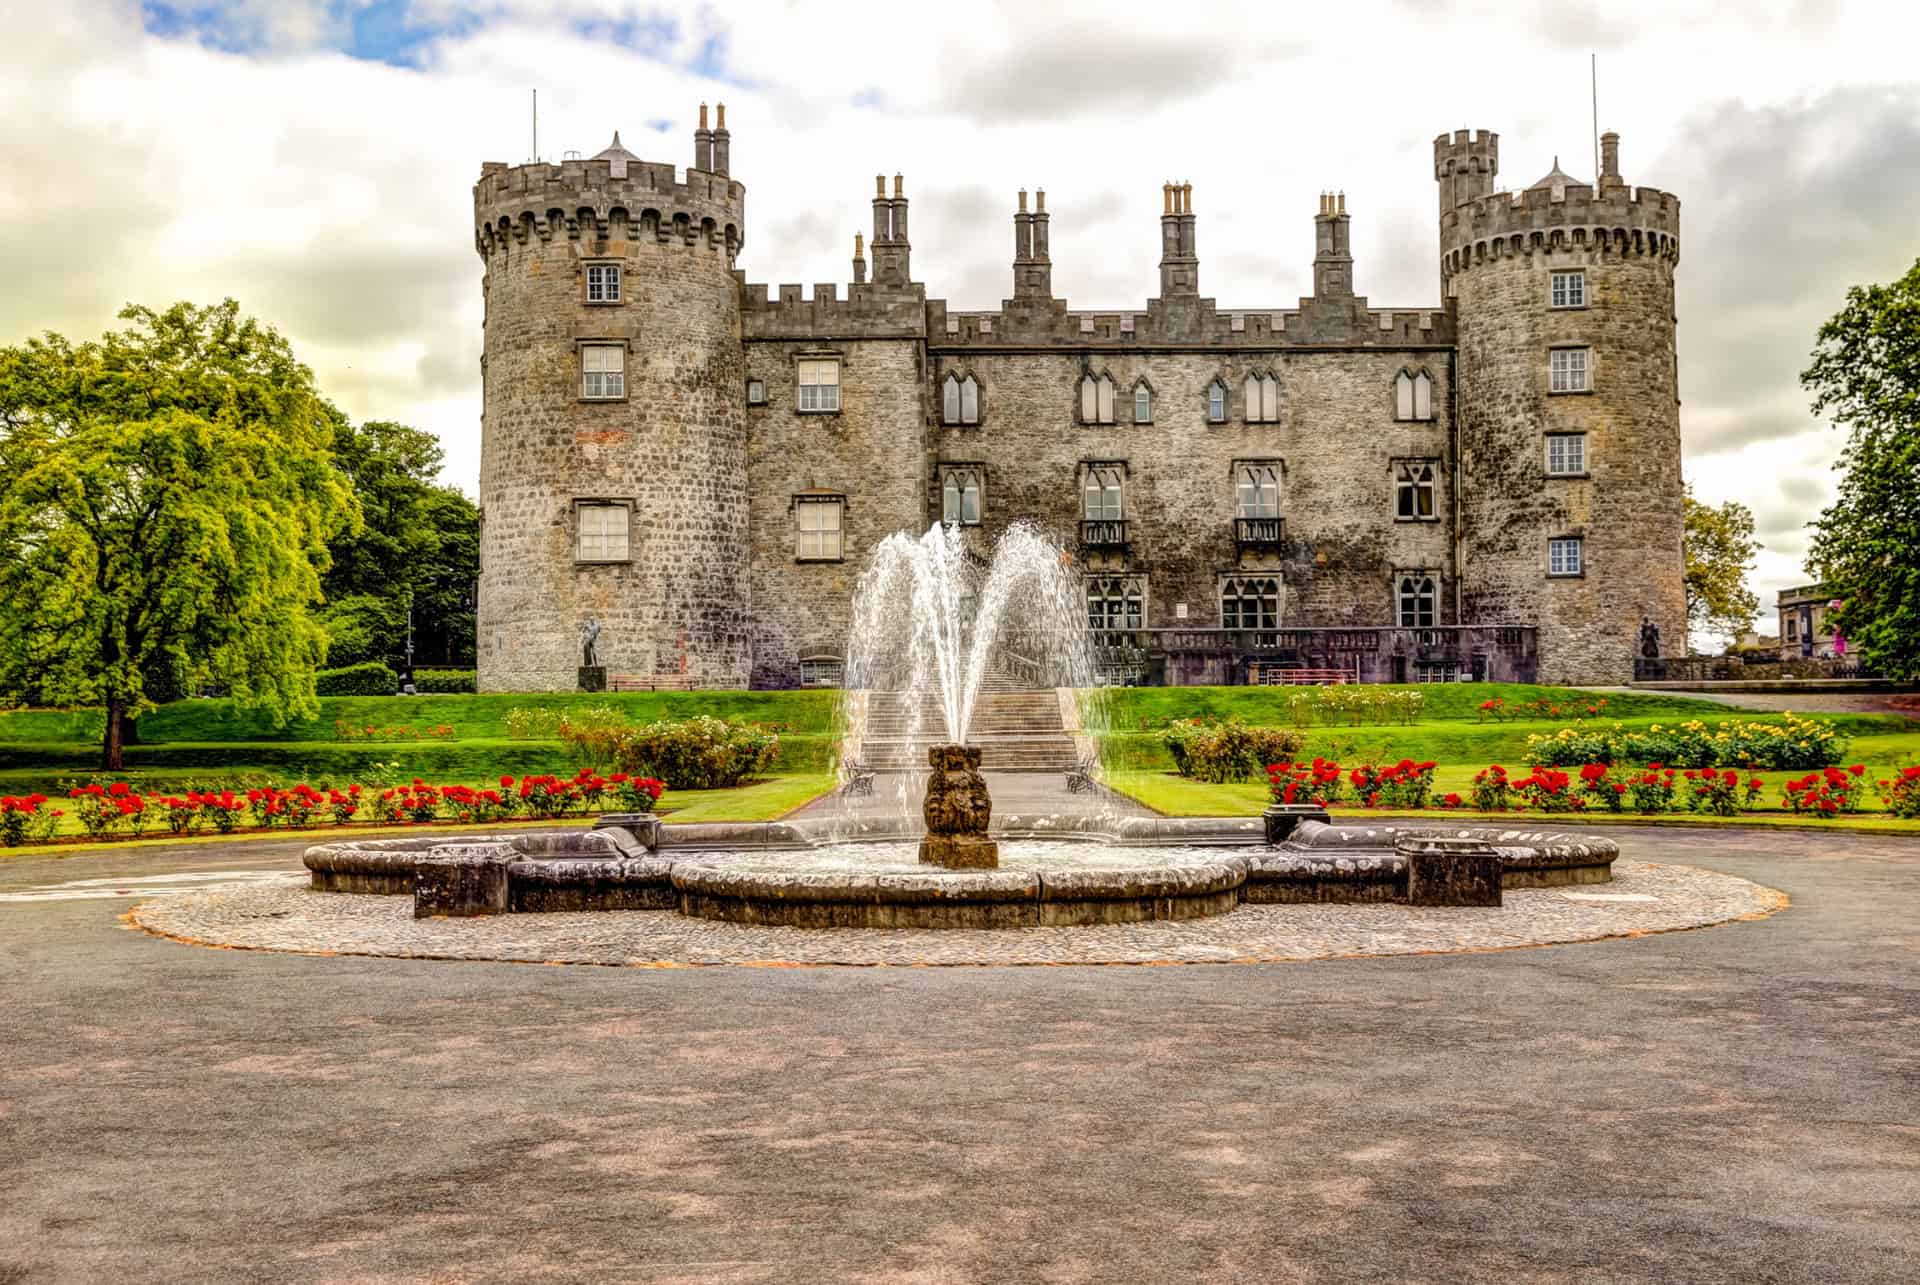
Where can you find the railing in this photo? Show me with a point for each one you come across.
(1103, 533)
(1722, 669)
(1260, 533)
(1449, 639)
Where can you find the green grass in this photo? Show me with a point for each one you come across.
(1176, 796)
(472, 717)
(1149, 708)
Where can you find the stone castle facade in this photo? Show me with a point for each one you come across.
(1487, 486)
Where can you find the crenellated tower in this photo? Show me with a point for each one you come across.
(1568, 409)
(613, 480)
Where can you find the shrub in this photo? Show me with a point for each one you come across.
(1715, 792)
(369, 679)
(1651, 790)
(1225, 751)
(1548, 789)
(1316, 782)
(26, 817)
(700, 753)
(444, 682)
(1826, 792)
(1490, 789)
(1354, 704)
(634, 793)
(1405, 784)
(1901, 793)
(1599, 787)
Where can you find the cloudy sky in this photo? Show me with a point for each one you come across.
(314, 158)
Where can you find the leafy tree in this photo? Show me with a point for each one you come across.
(1720, 548)
(165, 506)
(1866, 545)
(419, 542)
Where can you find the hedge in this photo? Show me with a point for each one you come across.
(444, 682)
(370, 679)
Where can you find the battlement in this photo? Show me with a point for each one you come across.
(1346, 322)
(1617, 217)
(1476, 150)
(868, 311)
(600, 198)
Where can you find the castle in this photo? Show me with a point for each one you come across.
(1485, 487)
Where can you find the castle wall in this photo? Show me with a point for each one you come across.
(873, 452)
(1336, 438)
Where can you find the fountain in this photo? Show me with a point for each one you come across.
(932, 621)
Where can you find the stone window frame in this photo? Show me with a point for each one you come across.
(1121, 474)
(1257, 579)
(1126, 588)
(1279, 467)
(1554, 276)
(1410, 585)
(1269, 382)
(1587, 370)
(587, 269)
(755, 384)
(824, 499)
(1102, 381)
(1401, 466)
(978, 470)
(1219, 382)
(958, 377)
(1143, 386)
(1406, 395)
(839, 361)
(580, 347)
(1546, 456)
(577, 528)
(1579, 544)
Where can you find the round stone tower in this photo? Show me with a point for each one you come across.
(613, 437)
(1568, 407)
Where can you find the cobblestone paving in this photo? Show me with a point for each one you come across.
(1643, 898)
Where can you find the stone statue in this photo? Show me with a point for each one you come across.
(589, 634)
(957, 810)
(1649, 638)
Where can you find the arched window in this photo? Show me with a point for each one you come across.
(1263, 399)
(1216, 403)
(1257, 493)
(1416, 600)
(1101, 498)
(960, 494)
(960, 400)
(1413, 486)
(1096, 399)
(1116, 602)
(1413, 396)
(1250, 602)
(1142, 403)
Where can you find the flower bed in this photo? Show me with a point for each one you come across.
(1220, 750)
(115, 809)
(1793, 744)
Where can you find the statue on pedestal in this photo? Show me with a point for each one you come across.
(589, 634)
(1649, 638)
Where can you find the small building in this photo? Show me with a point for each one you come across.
(1804, 631)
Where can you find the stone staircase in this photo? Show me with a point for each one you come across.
(1017, 729)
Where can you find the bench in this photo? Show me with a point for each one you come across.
(652, 683)
(1080, 775)
(858, 782)
(1275, 676)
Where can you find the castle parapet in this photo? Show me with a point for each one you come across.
(867, 312)
(1617, 218)
(599, 198)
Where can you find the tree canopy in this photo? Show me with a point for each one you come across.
(1720, 548)
(418, 540)
(1866, 545)
(167, 495)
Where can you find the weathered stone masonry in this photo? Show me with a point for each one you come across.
(712, 452)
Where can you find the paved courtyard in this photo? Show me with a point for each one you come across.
(1734, 1103)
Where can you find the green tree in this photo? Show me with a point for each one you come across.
(1866, 545)
(1720, 548)
(165, 506)
(419, 543)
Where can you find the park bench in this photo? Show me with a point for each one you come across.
(1274, 676)
(858, 782)
(1080, 775)
(652, 683)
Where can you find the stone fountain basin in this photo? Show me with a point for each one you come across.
(1054, 872)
